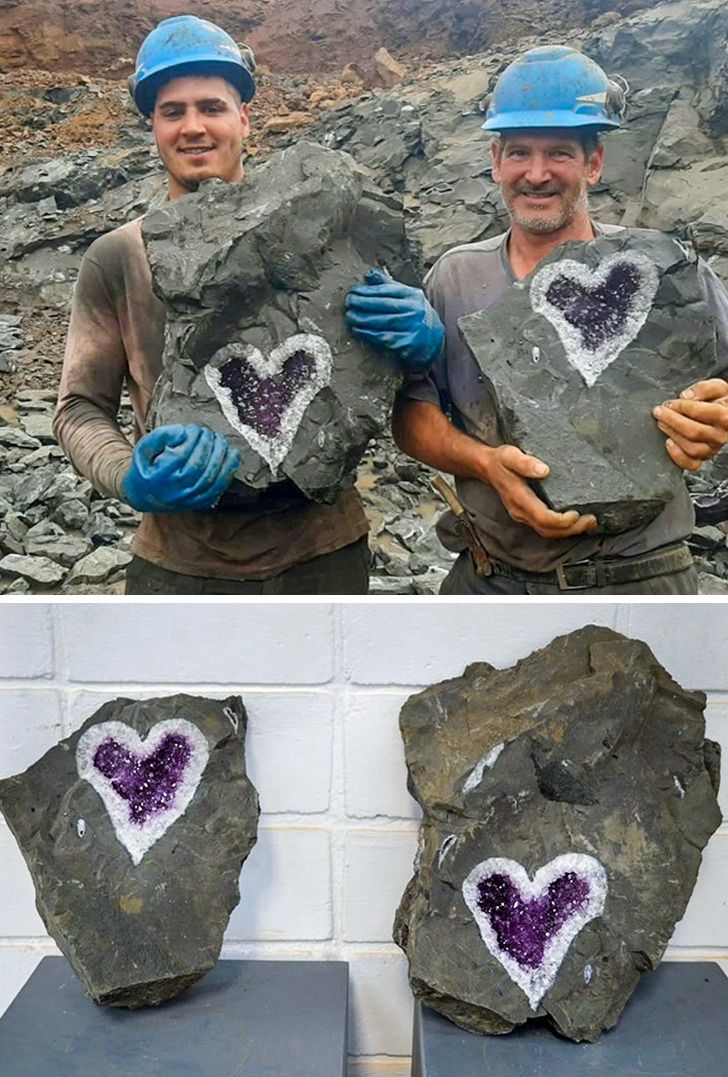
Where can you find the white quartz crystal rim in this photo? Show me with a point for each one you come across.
(138, 840)
(536, 982)
(591, 365)
(273, 450)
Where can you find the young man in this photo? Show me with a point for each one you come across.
(194, 83)
(548, 108)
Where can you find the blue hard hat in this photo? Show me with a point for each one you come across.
(556, 86)
(187, 45)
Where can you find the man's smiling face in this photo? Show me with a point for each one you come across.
(544, 178)
(199, 125)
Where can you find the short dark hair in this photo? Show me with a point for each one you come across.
(589, 139)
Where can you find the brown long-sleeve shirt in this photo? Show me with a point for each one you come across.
(116, 337)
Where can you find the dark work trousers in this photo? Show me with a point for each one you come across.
(462, 579)
(343, 572)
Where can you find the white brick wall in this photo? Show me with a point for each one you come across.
(323, 684)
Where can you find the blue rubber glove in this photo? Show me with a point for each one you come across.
(391, 315)
(179, 469)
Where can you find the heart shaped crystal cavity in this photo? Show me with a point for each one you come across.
(264, 397)
(529, 925)
(145, 785)
(596, 313)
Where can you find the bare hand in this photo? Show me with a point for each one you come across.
(696, 424)
(508, 470)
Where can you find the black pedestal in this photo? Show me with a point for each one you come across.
(245, 1018)
(675, 1025)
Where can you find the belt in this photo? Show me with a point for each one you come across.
(604, 572)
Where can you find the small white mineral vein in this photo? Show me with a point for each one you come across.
(488, 761)
(448, 843)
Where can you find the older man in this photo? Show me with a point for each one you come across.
(548, 109)
(194, 82)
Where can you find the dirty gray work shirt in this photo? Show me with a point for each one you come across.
(115, 337)
(474, 277)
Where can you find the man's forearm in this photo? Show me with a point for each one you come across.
(422, 431)
(93, 443)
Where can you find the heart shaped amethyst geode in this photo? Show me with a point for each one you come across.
(596, 313)
(264, 397)
(145, 785)
(528, 926)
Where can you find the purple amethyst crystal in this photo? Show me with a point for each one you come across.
(522, 927)
(599, 313)
(261, 403)
(148, 785)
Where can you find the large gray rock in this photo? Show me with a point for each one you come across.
(576, 359)
(255, 277)
(135, 829)
(566, 803)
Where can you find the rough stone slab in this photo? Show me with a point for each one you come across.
(13, 438)
(248, 1018)
(255, 276)
(39, 569)
(135, 829)
(574, 380)
(99, 565)
(565, 802)
(39, 425)
(674, 1026)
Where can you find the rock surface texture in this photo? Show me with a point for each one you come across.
(566, 803)
(135, 830)
(577, 358)
(255, 278)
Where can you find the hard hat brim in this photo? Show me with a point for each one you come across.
(145, 92)
(515, 121)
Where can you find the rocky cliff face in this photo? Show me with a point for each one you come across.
(289, 36)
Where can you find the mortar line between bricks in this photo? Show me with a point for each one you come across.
(623, 618)
(352, 949)
(60, 669)
(280, 949)
(696, 953)
(329, 820)
(395, 1063)
(715, 696)
(338, 782)
(377, 1060)
(30, 943)
(177, 687)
